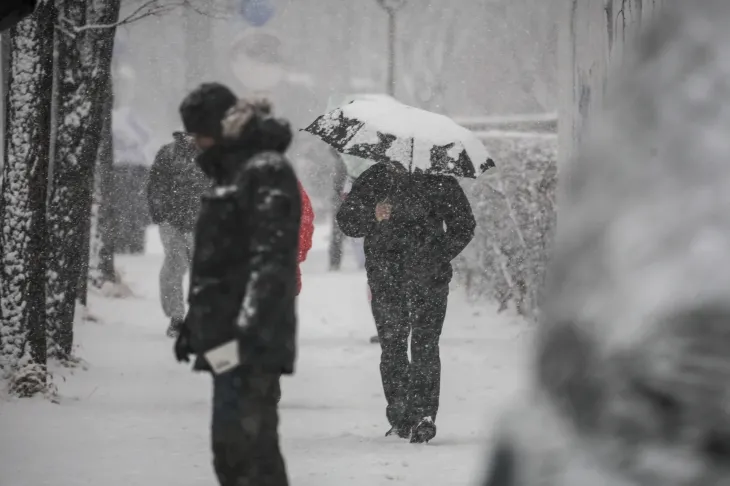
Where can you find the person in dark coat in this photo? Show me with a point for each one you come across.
(244, 277)
(174, 189)
(130, 212)
(413, 225)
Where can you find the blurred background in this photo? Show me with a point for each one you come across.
(490, 64)
(465, 58)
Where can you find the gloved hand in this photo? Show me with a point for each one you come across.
(183, 350)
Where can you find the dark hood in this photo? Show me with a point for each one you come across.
(248, 128)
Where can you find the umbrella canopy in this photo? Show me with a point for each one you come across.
(355, 165)
(384, 130)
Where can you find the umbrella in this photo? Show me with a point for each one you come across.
(384, 130)
(355, 165)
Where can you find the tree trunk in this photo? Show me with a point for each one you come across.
(339, 177)
(4, 72)
(594, 36)
(23, 205)
(101, 255)
(84, 60)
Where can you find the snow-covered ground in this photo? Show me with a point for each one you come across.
(134, 416)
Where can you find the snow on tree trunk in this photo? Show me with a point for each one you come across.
(23, 204)
(595, 35)
(84, 59)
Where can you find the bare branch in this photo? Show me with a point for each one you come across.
(146, 9)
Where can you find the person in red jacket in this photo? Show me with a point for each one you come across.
(306, 232)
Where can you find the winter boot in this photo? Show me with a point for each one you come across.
(402, 431)
(173, 329)
(424, 431)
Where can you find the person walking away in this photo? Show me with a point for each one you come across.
(413, 225)
(244, 278)
(174, 189)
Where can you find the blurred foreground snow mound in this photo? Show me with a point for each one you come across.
(633, 370)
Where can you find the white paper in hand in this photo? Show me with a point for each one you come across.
(223, 358)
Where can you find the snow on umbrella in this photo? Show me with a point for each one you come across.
(389, 131)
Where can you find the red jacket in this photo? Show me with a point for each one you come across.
(306, 231)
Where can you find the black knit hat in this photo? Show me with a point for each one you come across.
(203, 110)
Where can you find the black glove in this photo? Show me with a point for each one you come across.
(183, 350)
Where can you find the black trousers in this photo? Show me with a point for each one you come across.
(414, 307)
(244, 429)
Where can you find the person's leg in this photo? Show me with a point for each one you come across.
(427, 313)
(359, 250)
(388, 307)
(245, 438)
(277, 391)
(189, 246)
(375, 339)
(174, 267)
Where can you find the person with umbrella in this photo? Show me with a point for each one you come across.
(414, 220)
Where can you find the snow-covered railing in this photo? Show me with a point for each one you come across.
(487, 134)
(500, 119)
(542, 122)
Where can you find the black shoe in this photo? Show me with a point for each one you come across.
(173, 329)
(403, 431)
(375, 340)
(424, 431)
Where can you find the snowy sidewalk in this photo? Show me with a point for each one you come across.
(135, 417)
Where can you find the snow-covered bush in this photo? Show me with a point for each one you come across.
(515, 211)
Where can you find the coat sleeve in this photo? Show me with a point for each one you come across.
(356, 216)
(458, 217)
(159, 190)
(306, 227)
(274, 219)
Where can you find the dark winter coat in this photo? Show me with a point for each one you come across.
(431, 221)
(175, 185)
(243, 281)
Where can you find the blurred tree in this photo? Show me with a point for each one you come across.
(101, 241)
(596, 33)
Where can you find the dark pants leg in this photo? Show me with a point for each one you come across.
(391, 320)
(277, 391)
(427, 306)
(244, 429)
